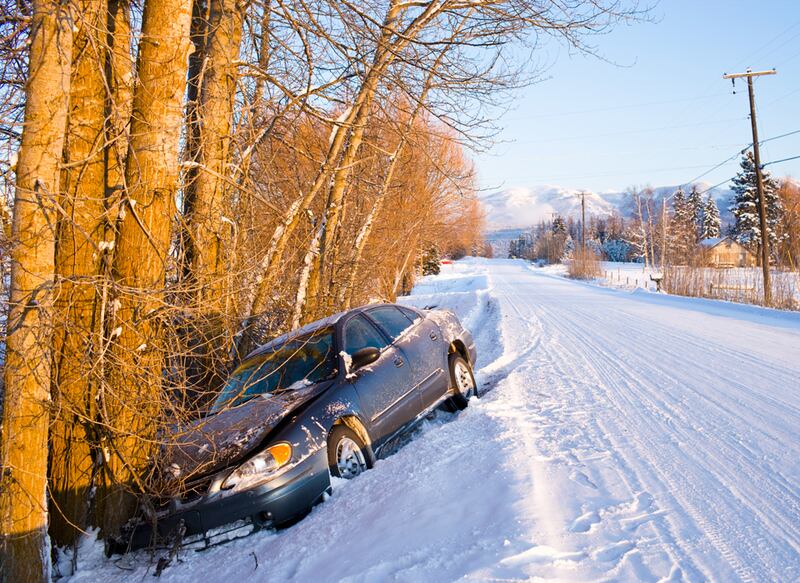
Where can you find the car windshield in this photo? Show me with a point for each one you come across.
(309, 358)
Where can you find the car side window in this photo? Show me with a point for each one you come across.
(391, 320)
(410, 314)
(359, 333)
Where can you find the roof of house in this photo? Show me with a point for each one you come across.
(712, 242)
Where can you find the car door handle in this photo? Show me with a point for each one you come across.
(434, 336)
(398, 362)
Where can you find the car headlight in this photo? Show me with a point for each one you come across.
(266, 462)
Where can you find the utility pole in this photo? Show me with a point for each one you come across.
(582, 194)
(663, 233)
(762, 205)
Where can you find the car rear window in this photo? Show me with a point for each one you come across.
(391, 320)
(359, 333)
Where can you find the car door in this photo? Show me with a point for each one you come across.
(421, 341)
(384, 388)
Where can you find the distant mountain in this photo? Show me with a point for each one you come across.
(521, 207)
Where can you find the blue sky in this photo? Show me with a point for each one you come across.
(665, 115)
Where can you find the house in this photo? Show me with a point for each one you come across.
(725, 252)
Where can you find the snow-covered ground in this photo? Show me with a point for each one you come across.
(622, 436)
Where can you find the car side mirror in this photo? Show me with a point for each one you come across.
(363, 357)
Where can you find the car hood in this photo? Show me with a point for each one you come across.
(214, 442)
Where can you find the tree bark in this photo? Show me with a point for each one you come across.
(80, 230)
(130, 402)
(119, 74)
(206, 207)
(24, 550)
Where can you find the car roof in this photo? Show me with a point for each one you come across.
(311, 327)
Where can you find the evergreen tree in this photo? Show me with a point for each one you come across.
(683, 235)
(431, 262)
(616, 249)
(559, 226)
(696, 208)
(569, 248)
(747, 229)
(522, 246)
(712, 224)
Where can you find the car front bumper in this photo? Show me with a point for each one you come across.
(276, 501)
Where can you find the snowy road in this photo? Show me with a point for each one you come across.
(626, 436)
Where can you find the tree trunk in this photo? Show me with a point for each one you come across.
(206, 203)
(80, 231)
(366, 228)
(24, 549)
(643, 230)
(130, 404)
(119, 73)
(264, 54)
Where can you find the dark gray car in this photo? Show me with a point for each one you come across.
(327, 399)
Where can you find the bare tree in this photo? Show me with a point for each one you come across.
(321, 145)
(26, 409)
(207, 205)
(81, 229)
(129, 401)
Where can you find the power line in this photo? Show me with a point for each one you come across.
(779, 161)
(710, 188)
(613, 108)
(751, 56)
(739, 153)
(778, 137)
(783, 96)
(734, 176)
(628, 132)
(725, 161)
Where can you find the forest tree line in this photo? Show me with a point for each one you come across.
(182, 179)
(668, 229)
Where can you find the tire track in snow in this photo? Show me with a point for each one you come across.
(667, 476)
(564, 372)
(609, 367)
(778, 488)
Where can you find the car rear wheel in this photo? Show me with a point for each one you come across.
(347, 453)
(463, 382)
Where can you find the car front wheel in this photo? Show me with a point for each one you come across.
(347, 453)
(463, 382)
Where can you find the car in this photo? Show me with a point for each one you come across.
(325, 400)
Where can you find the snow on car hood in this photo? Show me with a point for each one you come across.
(212, 443)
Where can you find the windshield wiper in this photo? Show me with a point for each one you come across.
(291, 388)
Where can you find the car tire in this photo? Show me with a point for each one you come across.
(348, 455)
(462, 381)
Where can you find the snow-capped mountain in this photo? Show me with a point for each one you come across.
(520, 206)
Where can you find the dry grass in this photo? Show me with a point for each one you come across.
(584, 265)
(741, 285)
